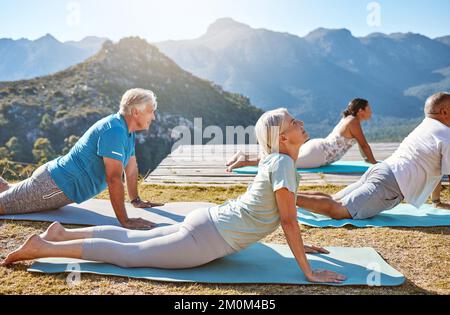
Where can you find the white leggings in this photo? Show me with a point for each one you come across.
(311, 155)
(192, 243)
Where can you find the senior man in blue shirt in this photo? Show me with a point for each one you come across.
(98, 160)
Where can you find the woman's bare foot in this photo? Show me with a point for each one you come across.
(28, 251)
(4, 185)
(54, 233)
(238, 156)
(236, 164)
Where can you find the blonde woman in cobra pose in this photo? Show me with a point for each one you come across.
(209, 233)
(320, 152)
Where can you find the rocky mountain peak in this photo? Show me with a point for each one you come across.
(226, 25)
(48, 38)
(332, 34)
(132, 52)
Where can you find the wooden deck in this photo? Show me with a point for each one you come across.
(205, 166)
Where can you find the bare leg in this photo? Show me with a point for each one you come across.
(323, 205)
(35, 247)
(239, 156)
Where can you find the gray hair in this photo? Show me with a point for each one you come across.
(268, 130)
(137, 98)
(436, 102)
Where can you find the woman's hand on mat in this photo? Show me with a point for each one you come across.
(138, 224)
(325, 276)
(143, 204)
(315, 250)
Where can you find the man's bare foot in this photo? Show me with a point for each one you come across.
(4, 185)
(443, 206)
(238, 156)
(27, 251)
(54, 233)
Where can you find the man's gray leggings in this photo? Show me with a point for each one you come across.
(37, 193)
(192, 243)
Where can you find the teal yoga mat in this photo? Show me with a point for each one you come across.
(100, 212)
(258, 264)
(403, 215)
(340, 167)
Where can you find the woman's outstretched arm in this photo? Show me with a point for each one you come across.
(364, 147)
(288, 215)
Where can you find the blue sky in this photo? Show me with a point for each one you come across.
(157, 20)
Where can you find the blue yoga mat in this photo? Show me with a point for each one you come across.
(403, 215)
(340, 167)
(258, 264)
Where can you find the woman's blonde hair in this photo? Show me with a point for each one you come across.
(268, 129)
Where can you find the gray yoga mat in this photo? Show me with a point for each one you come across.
(100, 212)
(258, 264)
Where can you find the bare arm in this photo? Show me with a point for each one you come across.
(436, 198)
(132, 176)
(363, 154)
(131, 172)
(114, 171)
(288, 215)
(358, 134)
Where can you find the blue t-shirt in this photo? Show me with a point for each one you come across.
(81, 173)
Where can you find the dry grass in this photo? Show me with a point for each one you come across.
(421, 254)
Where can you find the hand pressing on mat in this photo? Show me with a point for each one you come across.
(138, 224)
(143, 204)
(325, 276)
(315, 250)
(285, 199)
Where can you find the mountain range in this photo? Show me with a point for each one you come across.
(26, 59)
(316, 76)
(65, 104)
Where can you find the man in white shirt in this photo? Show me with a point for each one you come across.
(412, 173)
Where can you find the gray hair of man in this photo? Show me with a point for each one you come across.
(435, 103)
(137, 98)
(268, 129)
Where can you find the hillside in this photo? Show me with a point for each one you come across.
(69, 102)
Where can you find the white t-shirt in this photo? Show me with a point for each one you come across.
(255, 214)
(421, 161)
